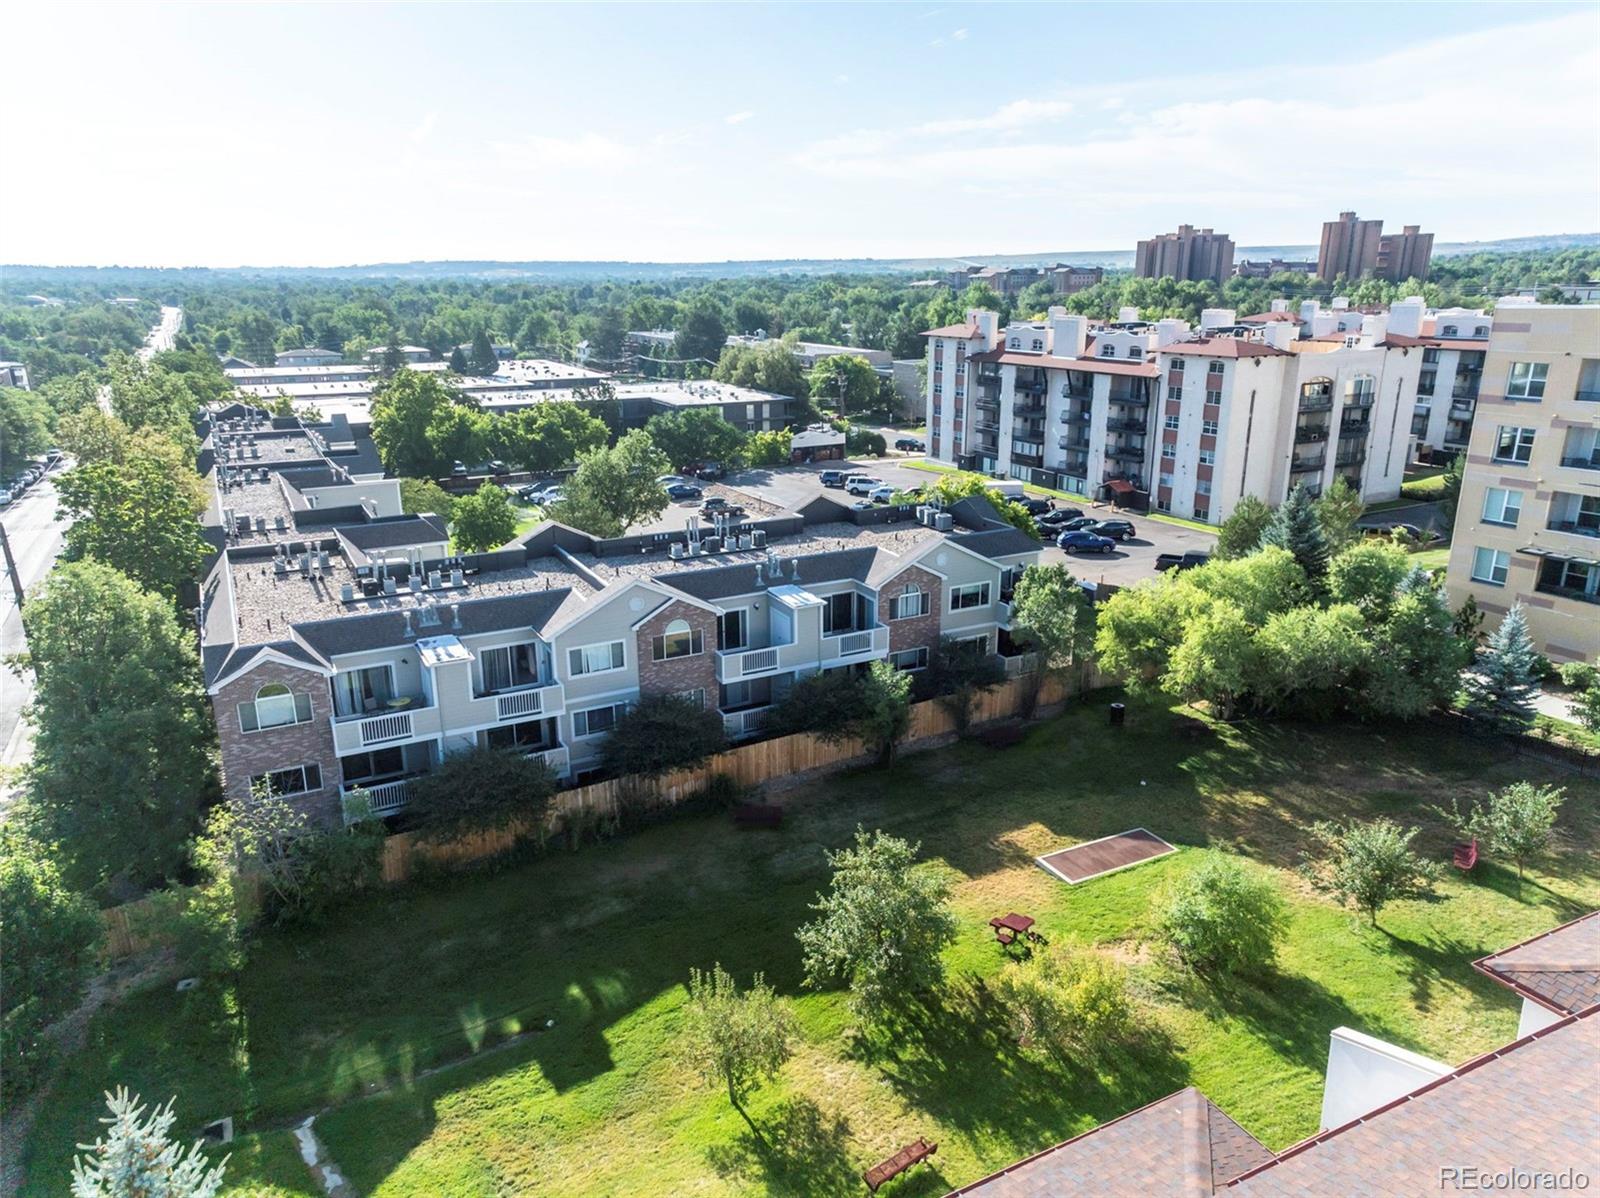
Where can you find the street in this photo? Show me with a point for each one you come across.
(162, 336)
(36, 536)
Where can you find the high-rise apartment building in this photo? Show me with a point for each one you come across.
(1349, 247)
(1190, 253)
(1404, 255)
(1528, 519)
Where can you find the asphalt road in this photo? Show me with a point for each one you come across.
(161, 337)
(36, 536)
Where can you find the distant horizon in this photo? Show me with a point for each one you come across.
(377, 133)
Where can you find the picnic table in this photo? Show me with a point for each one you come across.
(1007, 928)
(913, 1153)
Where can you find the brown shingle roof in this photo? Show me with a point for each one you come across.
(1224, 347)
(968, 331)
(1270, 317)
(1559, 970)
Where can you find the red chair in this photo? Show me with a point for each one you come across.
(1466, 855)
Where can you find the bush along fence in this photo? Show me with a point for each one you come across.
(776, 764)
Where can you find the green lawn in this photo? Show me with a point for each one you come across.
(1432, 559)
(601, 941)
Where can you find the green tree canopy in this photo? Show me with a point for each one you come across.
(1240, 533)
(483, 520)
(733, 1039)
(661, 733)
(1515, 822)
(846, 382)
(693, 435)
(615, 488)
(702, 332)
(1366, 866)
(420, 425)
(482, 360)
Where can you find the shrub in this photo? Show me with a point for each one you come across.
(662, 733)
(737, 1040)
(1516, 822)
(1223, 916)
(957, 676)
(1067, 1001)
(481, 790)
(1367, 865)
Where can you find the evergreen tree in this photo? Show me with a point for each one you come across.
(483, 360)
(136, 1159)
(393, 359)
(458, 362)
(1500, 687)
(1295, 527)
(1240, 534)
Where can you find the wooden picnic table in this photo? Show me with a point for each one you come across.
(1013, 923)
(913, 1153)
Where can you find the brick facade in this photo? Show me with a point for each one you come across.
(697, 672)
(919, 630)
(246, 754)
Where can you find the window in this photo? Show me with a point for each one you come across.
(1202, 514)
(358, 691)
(595, 659)
(1016, 343)
(509, 666)
(1527, 380)
(676, 640)
(1135, 351)
(1430, 356)
(1491, 566)
(594, 721)
(1513, 444)
(1502, 505)
(1213, 396)
(298, 780)
(1208, 457)
(1166, 480)
(910, 603)
(1108, 351)
(525, 735)
(1203, 487)
(733, 629)
(1172, 421)
(1449, 330)
(910, 659)
(974, 594)
(1169, 449)
(275, 706)
(1214, 367)
(373, 766)
(1208, 428)
(839, 614)
(1177, 364)
(976, 645)
(1175, 394)
(1426, 381)
(1037, 345)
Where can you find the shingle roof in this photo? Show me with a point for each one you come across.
(954, 330)
(232, 660)
(1180, 1145)
(378, 630)
(977, 513)
(998, 542)
(834, 566)
(1225, 347)
(1559, 970)
(403, 530)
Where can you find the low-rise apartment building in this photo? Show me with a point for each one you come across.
(1156, 414)
(1528, 518)
(359, 654)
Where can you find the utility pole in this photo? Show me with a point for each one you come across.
(11, 566)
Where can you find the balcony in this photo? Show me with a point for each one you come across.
(387, 798)
(538, 700)
(742, 724)
(1350, 457)
(989, 379)
(1310, 434)
(858, 645)
(1464, 391)
(736, 664)
(1592, 462)
(986, 404)
(352, 734)
(1316, 403)
(1308, 465)
(1081, 444)
(1358, 402)
(1081, 416)
(1029, 385)
(1583, 395)
(985, 425)
(1033, 460)
(1583, 526)
(1461, 411)
(1130, 399)
(1126, 453)
(1125, 425)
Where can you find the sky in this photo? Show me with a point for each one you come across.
(224, 135)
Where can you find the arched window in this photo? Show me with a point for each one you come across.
(274, 706)
(677, 640)
(1449, 330)
(911, 602)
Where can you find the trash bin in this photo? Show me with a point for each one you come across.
(1119, 712)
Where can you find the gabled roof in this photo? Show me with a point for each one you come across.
(838, 565)
(1559, 970)
(967, 331)
(225, 667)
(998, 542)
(396, 530)
(977, 513)
(1182, 1144)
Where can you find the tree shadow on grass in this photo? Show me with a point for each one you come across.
(1503, 880)
(797, 1149)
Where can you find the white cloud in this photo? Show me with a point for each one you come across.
(1015, 115)
(585, 150)
(960, 35)
(737, 118)
(424, 127)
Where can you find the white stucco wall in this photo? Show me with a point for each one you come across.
(1365, 1072)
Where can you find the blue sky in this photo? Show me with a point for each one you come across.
(310, 135)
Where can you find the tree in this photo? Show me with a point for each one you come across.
(24, 428)
(1068, 1002)
(1416, 659)
(138, 516)
(615, 488)
(702, 331)
(885, 712)
(737, 1040)
(1516, 822)
(1295, 527)
(1224, 916)
(770, 448)
(824, 704)
(845, 382)
(482, 790)
(1450, 492)
(1366, 865)
(422, 496)
(1240, 534)
(1309, 656)
(1338, 508)
(122, 755)
(957, 675)
(483, 520)
(546, 437)
(661, 733)
(135, 1159)
(393, 358)
(458, 362)
(1052, 616)
(410, 410)
(1216, 662)
(482, 359)
(1584, 680)
(956, 485)
(1369, 576)
(693, 435)
(50, 935)
(1498, 689)
(881, 925)
(771, 366)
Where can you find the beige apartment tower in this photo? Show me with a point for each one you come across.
(1349, 247)
(1528, 521)
(1194, 254)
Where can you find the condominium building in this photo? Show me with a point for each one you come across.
(1352, 248)
(1404, 255)
(1156, 414)
(14, 374)
(344, 646)
(1528, 518)
(1190, 253)
(1454, 342)
(311, 355)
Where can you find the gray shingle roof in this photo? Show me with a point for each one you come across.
(230, 660)
(378, 630)
(837, 565)
(998, 542)
(396, 530)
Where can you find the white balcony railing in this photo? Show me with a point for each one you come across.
(396, 726)
(351, 734)
(738, 724)
(734, 664)
(872, 642)
(387, 797)
(555, 759)
(525, 702)
(1021, 663)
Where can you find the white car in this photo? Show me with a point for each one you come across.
(860, 484)
(881, 494)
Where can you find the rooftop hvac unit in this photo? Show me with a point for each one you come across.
(760, 538)
(435, 580)
(388, 586)
(712, 544)
(458, 577)
(305, 563)
(943, 521)
(261, 524)
(279, 566)
(924, 514)
(347, 593)
(675, 551)
(322, 559)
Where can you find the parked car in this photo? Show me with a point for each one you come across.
(881, 494)
(549, 495)
(1117, 530)
(1057, 517)
(861, 484)
(681, 491)
(458, 470)
(715, 501)
(499, 467)
(666, 480)
(710, 471)
(1036, 507)
(1083, 541)
(909, 444)
(1078, 524)
(1181, 561)
(833, 478)
(5, 496)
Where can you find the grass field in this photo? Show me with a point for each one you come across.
(395, 1021)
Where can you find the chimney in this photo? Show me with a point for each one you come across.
(1127, 315)
(1374, 328)
(1405, 316)
(988, 325)
(1170, 330)
(794, 569)
(1217, 318)
(1340, 303)
(1068, 334)
(407, 614)
(1308, 310)
(1279, 334)
(1280, 305)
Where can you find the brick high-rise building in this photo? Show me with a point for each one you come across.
(1190, 253)
(1404, 255)
(1349, 247)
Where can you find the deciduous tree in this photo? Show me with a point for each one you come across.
(1240, 534)
(483, 520)
(661, 733)
(1338, 508)
(733, 1039)
(1516, 822)
(1224, 916)
(693, 435)
(1052, 616)
(615, 488)
(1366, 866)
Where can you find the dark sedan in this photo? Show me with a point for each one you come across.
(680, 491)
(1117, 530)
(1082, 541)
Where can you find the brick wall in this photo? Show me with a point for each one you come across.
(245, 754)
(919, 630)
(697, 672)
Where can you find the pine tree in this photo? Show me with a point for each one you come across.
(1295, 527)
(1499, 688)
(458, 362)
(393, 358)
(135, 1159)
(483, 360)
